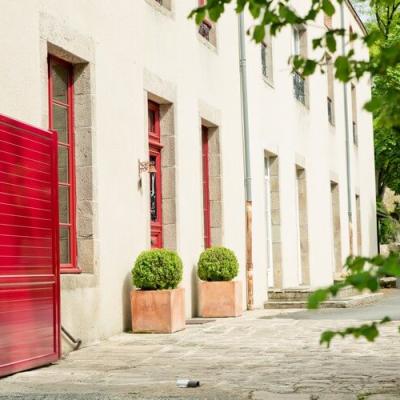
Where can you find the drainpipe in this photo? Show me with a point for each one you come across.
(246, 163)
(348, 142)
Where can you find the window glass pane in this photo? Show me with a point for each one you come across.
(64, 245)
(60, 83)
(63, 164)
(152, 121)
(153, 192)
(60, 122)
(63, 202)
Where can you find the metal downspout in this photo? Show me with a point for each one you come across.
(246, 163)
(348, 148)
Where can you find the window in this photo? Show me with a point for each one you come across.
(206, 187)
(330, 97)
(207, 28)
(155, 148)
(328, 21)
(266, 58)
(61, 120)
(354, 114)
(300, 84)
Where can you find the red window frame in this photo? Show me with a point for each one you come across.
(155, 148)
(206, 186)
(71, 267)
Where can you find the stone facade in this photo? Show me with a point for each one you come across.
(143, 50)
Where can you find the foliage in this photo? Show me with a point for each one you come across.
(157, 269)
(276, 15)
(217, 264)
(363, 273)
(383, 65)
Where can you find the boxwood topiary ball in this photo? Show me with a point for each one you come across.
(217, 264)
(157, 269)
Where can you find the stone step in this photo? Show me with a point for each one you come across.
(302, 294)
(353, 301)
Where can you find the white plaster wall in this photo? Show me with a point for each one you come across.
(135, 48)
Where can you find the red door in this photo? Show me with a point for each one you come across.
(206, 188)
(155, 175)
(29, 268)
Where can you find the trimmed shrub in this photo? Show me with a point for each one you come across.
(157, 269)
(217, 264)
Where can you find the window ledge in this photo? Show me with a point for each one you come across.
(78, 281)
(206, 43)
(268, 82)
(159, 8)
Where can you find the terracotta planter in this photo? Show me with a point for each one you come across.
(158, 311)
(220, 299)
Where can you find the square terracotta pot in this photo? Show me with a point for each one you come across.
(220, 299)
(158, 311)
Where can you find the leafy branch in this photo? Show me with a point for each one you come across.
(362, 273)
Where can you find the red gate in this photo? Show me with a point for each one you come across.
(29, 267)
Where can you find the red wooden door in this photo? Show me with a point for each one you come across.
(155, 175)
(29, 259)
(206, 188)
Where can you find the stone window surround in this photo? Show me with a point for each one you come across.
(276, 238)
(215, 181)
(336, 227)
(61, 41)
(303, 52)
(359, 222)
(269, 78)
(167, 7)
(301, 177)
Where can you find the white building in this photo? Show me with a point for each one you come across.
(130, 64)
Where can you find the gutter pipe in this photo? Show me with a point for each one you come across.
(348, 148)
(246, 164)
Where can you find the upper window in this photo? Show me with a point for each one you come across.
(207, 28)
(354, 113)
(331, 91)
(266, 58)
(61, 120)
(164, 3)
(299, 43)
(328, 21)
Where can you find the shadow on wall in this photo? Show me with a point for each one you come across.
(195, 289)
(126, 303)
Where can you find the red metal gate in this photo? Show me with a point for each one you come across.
(29, 265)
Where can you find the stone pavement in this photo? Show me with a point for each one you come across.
(252, 358)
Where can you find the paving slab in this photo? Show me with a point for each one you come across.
(263, 355)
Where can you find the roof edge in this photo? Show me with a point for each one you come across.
(356, 16)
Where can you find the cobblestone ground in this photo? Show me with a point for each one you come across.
(250, 358)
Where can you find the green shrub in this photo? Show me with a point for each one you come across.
(217, 264)
(157, 269)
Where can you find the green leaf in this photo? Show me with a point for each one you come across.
(316, 298)
(331, 42)
(328, 7)
(259, 33)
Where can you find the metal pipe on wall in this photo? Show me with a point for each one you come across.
(246, 163)
(348, 148)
